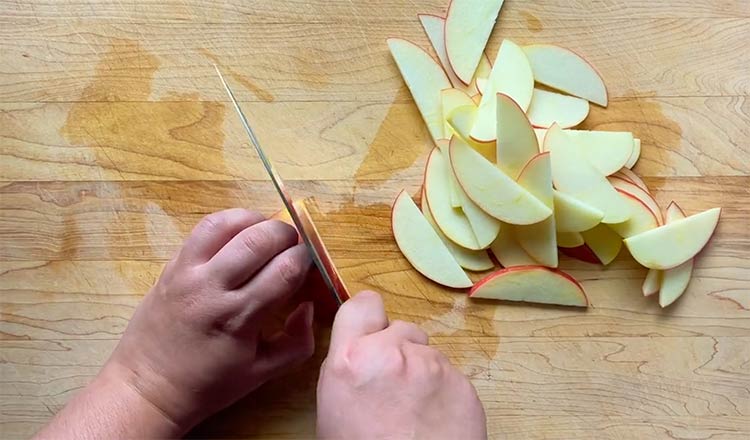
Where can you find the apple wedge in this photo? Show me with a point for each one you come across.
(467, 27)
(425, 79)
(652, 282)
(582, 253)
(635, 155)
(422, 247)
(569, 239)
(604, 242)
(452, 222)
(547, 108)
(492, 190)
(564, 70)
(507, 250)
(674, 281)
(630, 176)
(540, 239)
(516, 142)
(574, 175)
(536, 284)
(468, 259)
(670, 245)
(641, 219)
(511, 75)
(453, 99)
(639, 193)
(608, 151)
(573, 215)
(484, 226)
(443, 144)
(461, 120)
(434, 27)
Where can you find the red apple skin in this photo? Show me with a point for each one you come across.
(634, 197)
(502, 272)
(582, 252)
(631, 188)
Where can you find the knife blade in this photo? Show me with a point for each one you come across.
(278, 183)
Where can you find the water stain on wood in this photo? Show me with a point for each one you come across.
(258, 91)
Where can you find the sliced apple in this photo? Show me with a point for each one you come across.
(481, 85)
(652, 283)
(492, 190)
(537, 284)
(635, 155)
(547, 108)
(507, 250)
(516, 142)
(467, 27)
(604, 242)
(511, 75)
(674, 281)
(468, 259)
(452, 222)
(453, 99)
(425, 79)
(574, 175)
(641, 219)
(639, 193)
(461, 120)
(569, 239)
(670, 245)
(564, 70)
(443, 144)
(582, 253)
(630, 176)
(608, 151)
(484, 226)
(573, 215)
(540, 239)
(422, 247)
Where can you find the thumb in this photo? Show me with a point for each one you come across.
(359, 316)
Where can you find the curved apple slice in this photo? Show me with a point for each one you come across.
(574, 175)
(642, 219)
(484, 226)
(639, 193)
(507, 250)
(461, 121)
(635, 155)
(422, 247)
(492, 190)
(569, 239)
(604, 242)
(630, 176)
(652, 283)
(670, 245)
(516, 142)
(511, 75)
(573, 215)
(443, 144)
(674, 281)
(467, 27)
(540, 239)
(607, 151)
(536, 284)
(453, 99)
(468, 259)
(425, 79)
(452, 222)
(547, 108)
(564, 70)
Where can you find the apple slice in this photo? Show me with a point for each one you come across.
(434, 27)
(574, 175)
(639, 193)
(674, 281)
(511, 75)
(547, 108)
(630, 176)
(583, 253)
(540, 239)
(569, 239)
(422, 247)
(573, 215)
(467, 27)
(604, 242)
(492, 190)
(443, 144)
(484, 226)
(516, 142)
(453, 99)
(642, 219)
(461, 121)
(670, 245)
(452, 222)
(507, 250)
(425, 79)
(468, 259)
(537, 284)
(608, 151)
(652, 283)
(564, 70)
(481, 85)
(635, 155)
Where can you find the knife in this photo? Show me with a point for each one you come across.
(304, 228)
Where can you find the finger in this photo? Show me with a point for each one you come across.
(249, 251)
(214, 231)
(288, 348)
(359, 316)
(400, 331)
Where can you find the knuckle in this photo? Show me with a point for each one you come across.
(212, 222)
(288, 270)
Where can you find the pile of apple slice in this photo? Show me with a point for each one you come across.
(510, 175)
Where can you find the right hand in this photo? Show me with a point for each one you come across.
(382, 380)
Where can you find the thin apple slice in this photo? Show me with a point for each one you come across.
(569, 239)
(652, 283)
(630, 176)
(452, 222)
(540, 239)
(492, 190)
(639, 193)
(476, 261)
(443, 144)
(670, 245)
(674, 281)
(573, 215)
(604, 242)
(422, 247)
(425, 79)
(453, 99)
(642, 219)
(582, 253)
(507, 250)
(481, 85)
(547, 108)
(484, 226)
(574, 175)
(608, 151)
(461, 120)
(635, 155)
(511, 75)
(564, 70)
(467, 27)
(516, 142)
(536, 284)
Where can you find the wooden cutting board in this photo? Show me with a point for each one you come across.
(116, 138)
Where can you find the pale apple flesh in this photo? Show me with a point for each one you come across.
(636, 191)
(628, 175)
(549, 108)
(607, 151)
(675, 281)
(635, 155)
(461, 120)
(604, 242)
(535, 284)
(539, 239)
(652, 282)
(507, 251)
(467, 27)
(569, 239)
(642, 219)
(453, 99)
(573, 215)
(516, 142)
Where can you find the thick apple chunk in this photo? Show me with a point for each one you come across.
(537, 284)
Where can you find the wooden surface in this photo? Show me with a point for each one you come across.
(115, 138)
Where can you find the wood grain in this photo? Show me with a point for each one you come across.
(115, 139)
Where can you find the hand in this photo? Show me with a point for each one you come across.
(195, 345)
(381, 380)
